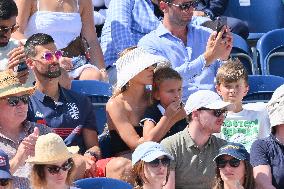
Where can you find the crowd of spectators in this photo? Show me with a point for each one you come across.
(175, 120)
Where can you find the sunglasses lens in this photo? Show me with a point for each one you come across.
(48, 56)
(67, 166)
(220, 112)
(234, 162)
(221, 163)
(53, 169)
(155, 163)
(165, 162)
(13, 101)
(58, 54)
(25, 99)
(4, 182)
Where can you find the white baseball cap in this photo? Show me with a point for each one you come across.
(206, 99)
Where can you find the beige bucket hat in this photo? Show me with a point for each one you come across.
(50, 148)
(133, 62)
(10, 85)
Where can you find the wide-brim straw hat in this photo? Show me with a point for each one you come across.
(50, 148)
(133, 62)
(10, 85)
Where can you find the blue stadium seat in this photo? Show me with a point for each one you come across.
(99, 93)
(261, 16)
(242, 51)
(270, 48)
(261, 87)
(102, 183)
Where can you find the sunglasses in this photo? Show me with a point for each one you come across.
(4, 182)
(217, 112)
(4, 30)
(164, 161)
(54, 169)
(234, 162)
(185, 6)
(153, 65)
(49, 56)
(14, 100)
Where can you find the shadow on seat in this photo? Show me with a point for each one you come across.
(102, 183)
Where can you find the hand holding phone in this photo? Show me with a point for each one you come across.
(22, 66)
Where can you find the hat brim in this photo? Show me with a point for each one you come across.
(219, 104)
(72, 151)
(5, 175)
(14, 91)
(231, 154)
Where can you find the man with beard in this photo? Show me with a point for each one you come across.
(193, 52)
(69, 114)
(11, 51)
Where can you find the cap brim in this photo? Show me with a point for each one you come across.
(5, 175)
(219, 104)
(230, 154)
(156, 154)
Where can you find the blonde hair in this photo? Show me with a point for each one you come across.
(38, 177)
(232, 71)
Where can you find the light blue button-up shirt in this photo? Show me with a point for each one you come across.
(126, 22)
(187, 59)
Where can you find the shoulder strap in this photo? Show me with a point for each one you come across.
(37, 5)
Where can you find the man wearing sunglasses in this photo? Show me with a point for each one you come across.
(69, 114)
(194, 148)
(194, 51)
(11, 51)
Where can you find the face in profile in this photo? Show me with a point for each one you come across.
(231, 169)
(156, 170)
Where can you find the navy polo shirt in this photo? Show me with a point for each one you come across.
(269, 151)
(67, 117)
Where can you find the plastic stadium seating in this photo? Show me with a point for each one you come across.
(242, 51)
(261, 16)
(261, 87)
(102, 183)
(99, 93)
(270, 48)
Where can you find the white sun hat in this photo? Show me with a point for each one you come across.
(133, 62)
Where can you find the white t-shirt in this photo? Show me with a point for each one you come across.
(245, 127)
(4, 51)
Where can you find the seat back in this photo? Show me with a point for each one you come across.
(242, 51)
(99, 93)
(102, 183)
(261, 87)
(261, 16)
(268, 44)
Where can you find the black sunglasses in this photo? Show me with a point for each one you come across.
(221, 163)
(4, 30)
(4, 182)
(54, 169)
(164, 161)
(185, 6)
(14, 100)
(216, 112)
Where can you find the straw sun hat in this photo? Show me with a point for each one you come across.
(10, 85)
(133, 62)
(50, 148)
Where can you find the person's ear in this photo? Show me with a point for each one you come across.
(217, 87)
(247, 89)
(156, 95)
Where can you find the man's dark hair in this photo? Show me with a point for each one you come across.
(35, 40)
(8, 9)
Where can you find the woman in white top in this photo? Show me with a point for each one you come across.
(63, 20)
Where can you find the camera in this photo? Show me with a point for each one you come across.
(22, 66)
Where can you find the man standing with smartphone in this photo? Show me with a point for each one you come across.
(11, 51)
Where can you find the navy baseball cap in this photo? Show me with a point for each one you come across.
(235, 150)
(4, 166)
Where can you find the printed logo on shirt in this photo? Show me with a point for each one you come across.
(241, 131)
(2, 161)
(73, 110)
(38, 114)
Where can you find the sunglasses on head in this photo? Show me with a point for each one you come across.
(14, 100)
(217, 112)
(156, 162)
(4, 182)
(4, 29)
(54, 169)
(185, 6)
(221, 163)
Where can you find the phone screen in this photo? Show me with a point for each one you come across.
(221, 21)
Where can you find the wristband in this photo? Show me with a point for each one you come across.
(93, 154)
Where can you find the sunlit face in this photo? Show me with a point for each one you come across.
(43, 67)
(16, 113)
(156, 174)
(5, 35)
(233, 92)
(56, 179)
(169, 91)
(229, 173)
(210, 123)
(176, 15)
(145, 77)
